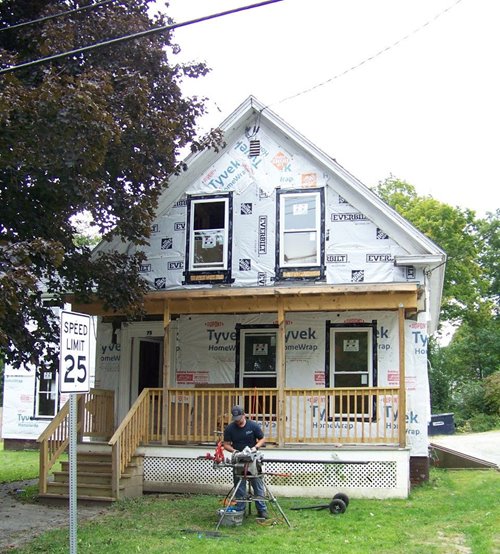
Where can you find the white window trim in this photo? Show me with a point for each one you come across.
(316, 229)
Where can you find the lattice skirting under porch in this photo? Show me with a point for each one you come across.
(382, 476)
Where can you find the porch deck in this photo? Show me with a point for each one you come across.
(342, 439)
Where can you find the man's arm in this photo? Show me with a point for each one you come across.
(261, 442)
(229, 446)
(259, 435)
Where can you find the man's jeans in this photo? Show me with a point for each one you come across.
(258, 490)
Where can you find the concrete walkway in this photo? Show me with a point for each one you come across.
(485, 446)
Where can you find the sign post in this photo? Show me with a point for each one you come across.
(74, 378)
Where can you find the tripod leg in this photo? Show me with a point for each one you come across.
(275, 502)
(231, 496)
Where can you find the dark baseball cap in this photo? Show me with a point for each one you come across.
(237, 413)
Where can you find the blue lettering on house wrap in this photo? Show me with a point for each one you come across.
(410, 417)
(305, 334)
(382, 333)
(218, 182)
(217, 336)
(310, 334)
(420, 339)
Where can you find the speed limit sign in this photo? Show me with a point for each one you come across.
(74, 358)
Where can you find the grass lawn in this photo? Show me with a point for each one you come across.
(18, 465)
(456, 512)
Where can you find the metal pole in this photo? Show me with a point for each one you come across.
(72, 473)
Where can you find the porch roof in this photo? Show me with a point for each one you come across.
(307, 298)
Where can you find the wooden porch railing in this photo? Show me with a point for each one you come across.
(141, 425)
(200, 415)
(95, 418)
(349, 415)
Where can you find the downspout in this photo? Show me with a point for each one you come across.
(402, 378)
(166, 369)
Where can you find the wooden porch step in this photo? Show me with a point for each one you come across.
(101, 457)
(85, 477)
(56, 498)
(94, 477)
(89, 467)
(83, 490)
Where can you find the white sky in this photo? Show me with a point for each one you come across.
(427, 110)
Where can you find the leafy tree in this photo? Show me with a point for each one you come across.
(98, 132)
(460, 373)
(456, 232)
(492, 393)
(490, 255)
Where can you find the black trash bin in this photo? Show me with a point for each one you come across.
(441, 424)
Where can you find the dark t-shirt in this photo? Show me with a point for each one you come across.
(243, 436)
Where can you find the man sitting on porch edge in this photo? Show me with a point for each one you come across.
(242, 432)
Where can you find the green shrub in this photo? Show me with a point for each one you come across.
(479, 423)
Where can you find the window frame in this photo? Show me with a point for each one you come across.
(297, 270)
(51, 392)
(369, 413)
(216, 272)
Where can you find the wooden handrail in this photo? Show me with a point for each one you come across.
(95, 418)
(53, 442)
(139, 426)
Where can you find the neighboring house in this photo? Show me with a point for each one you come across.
(282, 283)
(31, 400)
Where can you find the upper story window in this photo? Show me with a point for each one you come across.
(209, 239)
(300, 236)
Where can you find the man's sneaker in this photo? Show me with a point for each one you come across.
(262, 515)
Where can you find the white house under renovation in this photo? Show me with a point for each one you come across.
(281, 283)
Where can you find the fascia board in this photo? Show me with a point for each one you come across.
(360, 196)
(426, 260)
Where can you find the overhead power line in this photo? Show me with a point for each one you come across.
(53, 16)
(366, 60)
(141, 34)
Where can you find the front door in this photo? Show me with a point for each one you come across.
(149, 363)
(352, 362)
(258, 367)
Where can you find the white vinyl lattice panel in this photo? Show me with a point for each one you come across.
(381, 474)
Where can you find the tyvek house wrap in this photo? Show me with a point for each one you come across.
(355, 249)
(206, 348)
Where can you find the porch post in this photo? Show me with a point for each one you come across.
(402, 378)
(166, 369)
(281, 415)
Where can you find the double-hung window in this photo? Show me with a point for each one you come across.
(209, 239)
(300, 236)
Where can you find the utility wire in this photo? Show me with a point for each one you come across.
(48, 17)
(132, 37)
(366, 60)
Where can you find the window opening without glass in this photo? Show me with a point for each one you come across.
(46, 393)
(352, 364)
